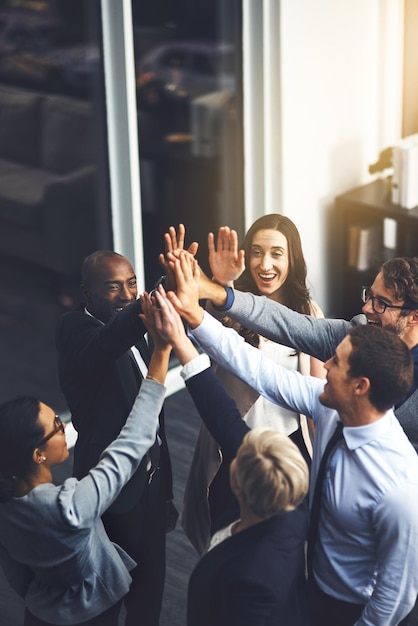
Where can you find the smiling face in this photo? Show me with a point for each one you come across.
(269, 262)
(55, 449)
(390, 318)
(111, 287)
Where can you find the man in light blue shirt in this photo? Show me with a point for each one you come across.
(391, 302)
(365, 560)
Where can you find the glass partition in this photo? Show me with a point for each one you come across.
(54, 178)
(54, 199)
(189, 98)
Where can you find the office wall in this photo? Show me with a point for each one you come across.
(341, 84)
(410, 86)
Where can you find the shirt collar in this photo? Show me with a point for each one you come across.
(95, 318)
(414, 354)
(358, 436)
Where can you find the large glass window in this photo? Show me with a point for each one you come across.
(54, 172)
(189, 98)
(54, 200)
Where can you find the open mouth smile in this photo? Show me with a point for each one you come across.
(375, 322)
(267, 278)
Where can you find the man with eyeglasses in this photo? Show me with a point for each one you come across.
(391, 302)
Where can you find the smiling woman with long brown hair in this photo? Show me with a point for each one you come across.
(274, 267)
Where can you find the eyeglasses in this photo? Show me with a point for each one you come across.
(59, 427)
(379, 305)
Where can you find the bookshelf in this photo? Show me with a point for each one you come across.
(370, 230)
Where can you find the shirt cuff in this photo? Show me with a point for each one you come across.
(195, 366)
(229, 300)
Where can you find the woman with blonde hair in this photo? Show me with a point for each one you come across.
(269, 473)
(253, 573)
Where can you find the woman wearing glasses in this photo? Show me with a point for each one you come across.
(53, 547)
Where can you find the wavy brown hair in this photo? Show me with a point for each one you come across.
(294, 292)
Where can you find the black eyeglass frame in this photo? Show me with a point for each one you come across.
(366, 295)
(59, 426)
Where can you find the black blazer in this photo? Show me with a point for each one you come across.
(100, 381)
(256, 577)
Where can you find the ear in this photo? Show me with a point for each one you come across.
(85, 292)
(361, 386)
(414, 317)
(38, 456)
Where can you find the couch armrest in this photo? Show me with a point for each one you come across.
(69, 220)
(76, 184)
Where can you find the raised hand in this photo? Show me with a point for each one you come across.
(170, 326)
(148, 318)
(158, 365)
(167, 321)
(226, 261)
(174, 244)
(186, 297)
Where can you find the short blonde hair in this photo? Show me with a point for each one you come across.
(271, 473)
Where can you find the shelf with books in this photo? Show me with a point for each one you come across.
(370, 230)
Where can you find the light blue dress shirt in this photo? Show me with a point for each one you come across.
(367, 547)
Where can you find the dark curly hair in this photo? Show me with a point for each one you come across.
(401, 276)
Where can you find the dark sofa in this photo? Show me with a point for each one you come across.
(46, 179)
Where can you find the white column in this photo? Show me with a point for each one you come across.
(391, 53)
(253, 81)
(262, 108)
(119, 67)
(272, 108)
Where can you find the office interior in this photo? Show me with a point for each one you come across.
(119, 119)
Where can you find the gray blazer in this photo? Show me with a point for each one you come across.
(53, 547)
(317, 337)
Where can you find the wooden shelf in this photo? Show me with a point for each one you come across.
(368, 206)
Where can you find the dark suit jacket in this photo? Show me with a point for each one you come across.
(100, 381)
(256, 577)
